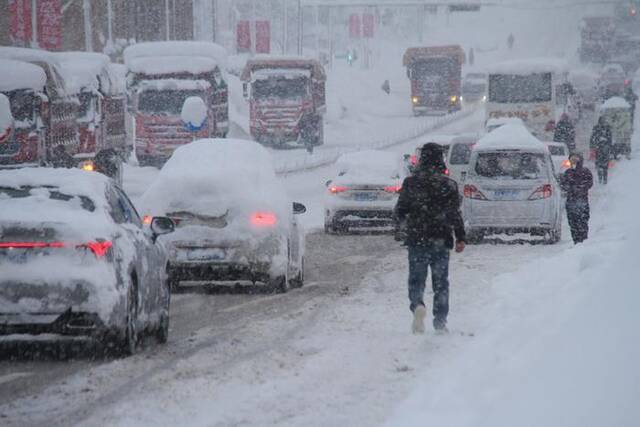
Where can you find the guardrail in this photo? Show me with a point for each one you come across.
(330, 156)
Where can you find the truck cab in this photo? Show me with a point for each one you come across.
(435, 73)
(287, 100)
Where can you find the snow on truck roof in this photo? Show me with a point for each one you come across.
(510, 136)
(529, 66)
(81, 70)
(20, 75)
(615, 102)
(28, 55)
(413, 54)
(283, 64)
(192, 49)
(173, 84)
(170, 64)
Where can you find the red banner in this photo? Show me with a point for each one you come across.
(50, 24)
(354, 26)
(20, 21)
(263, 37)
(243, 36)
(367, 25)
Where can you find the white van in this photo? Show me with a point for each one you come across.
(510, 187)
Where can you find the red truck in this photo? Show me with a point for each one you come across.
(436, 75)
(160, 77)
(45, 130)
(101, 116)
(286, 99)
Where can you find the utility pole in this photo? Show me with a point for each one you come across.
(166, 20)
(34, 24)
(300, 27)
(285, 26)
(110, 22)
(88, 33)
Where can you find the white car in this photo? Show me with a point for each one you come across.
(235, 225)
(364, 191)
(76, 261)
(560, 156)
(510, 187)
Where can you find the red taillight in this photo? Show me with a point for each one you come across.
(566, 164)
(472, 192)
(264, 219)
(446, 172)
(334, 189)
(146, 220)
(414, 160)
(393, 188)
(99, 249)
(542, 192)
(30, 245)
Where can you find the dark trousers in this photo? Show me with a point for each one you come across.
(603, 174)
(578, 217)
(434, 255)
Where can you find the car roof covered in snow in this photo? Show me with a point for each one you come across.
(510, 136)
(615, 102)
(20, 75)
(27, 55)
(369, 167)
(414, 54)
(192, 49)
(212, 176)
(282, 64)
(171, 64)
(529, 66)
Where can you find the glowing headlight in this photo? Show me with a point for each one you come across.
(88, 166)
(484, 98)
(454, 98)
(415, 99)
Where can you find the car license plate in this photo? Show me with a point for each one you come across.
(506, 194)
(365, 197)
(213, 254)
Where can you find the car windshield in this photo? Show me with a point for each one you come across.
(556, 150)
(510, 165)
(508, 88)
(280, 87)
(44, 193)
(460, 154)
(168, 102)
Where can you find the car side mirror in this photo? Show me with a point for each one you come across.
(299, 208)
(328, 183)
(161, 225)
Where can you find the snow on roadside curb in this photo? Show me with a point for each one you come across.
(560, 345)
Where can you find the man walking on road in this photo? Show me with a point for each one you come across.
(601, 141)
(576, 182)
(428, 211)
(565, 132)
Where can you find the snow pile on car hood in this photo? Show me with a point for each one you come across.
(510, 136)
(219, 178)
(615, 102)
(369, 167)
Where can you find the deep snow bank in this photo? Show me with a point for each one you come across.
(560, 346)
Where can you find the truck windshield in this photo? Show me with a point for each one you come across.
(441, 67)
(509, 88)
(510, 165)
(280, 87)
(166, 102)
(22, 104)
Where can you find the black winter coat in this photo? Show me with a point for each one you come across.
(601, 140)
(565, 132)
(430, 204)
(576, 183)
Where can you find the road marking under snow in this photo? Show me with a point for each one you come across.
(13, 376)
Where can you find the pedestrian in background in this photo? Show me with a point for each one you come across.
(428, 211)
(601, 141)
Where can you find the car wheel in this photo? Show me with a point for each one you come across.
(162, 333)
(130, 339)
(280, 284)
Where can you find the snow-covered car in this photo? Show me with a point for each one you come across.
(458, 156)
(510, 187)
(560, 156)
(495, 123)
(76, 260)
(235, 224)
(474, 88)
(364, 191)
